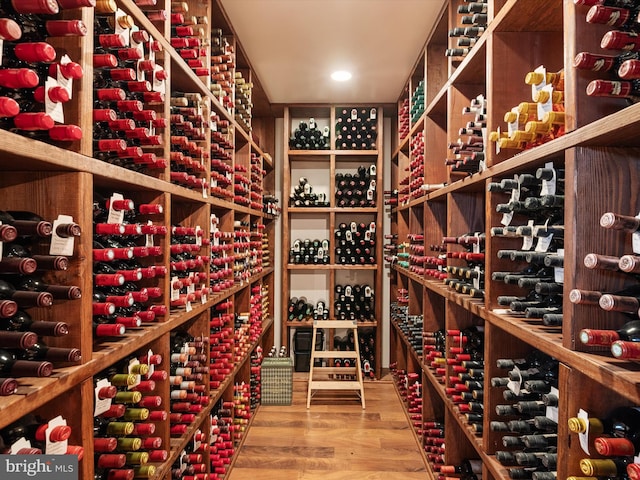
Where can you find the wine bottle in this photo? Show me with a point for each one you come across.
(9, 364)
(21, 321)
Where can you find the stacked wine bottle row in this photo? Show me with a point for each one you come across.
(129, 93)
(221, 180)
(469, 150)
(533, 123)
(309, 252)
(33, 250)
(126, 292)
(417, 102)
(530, 389)
(356, 129)
(308, 136)
(243, 105)
(410, 325)
(356, 189)
(464, 370)
(612, 439)
(534, 218)
(622, 65)
(355, 244)
(189, 155)
(472, 21)
(36, 78)
(300, 309)
(403, 119)
(302, 195)
(468, 277)
(354, 302)
(223, 68)
(622, 341)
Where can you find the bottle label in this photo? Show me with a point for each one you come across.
(64, 82)
(584, 436)
(21, 443)
(151, 365)
(55, 448)
(175, 294)
(549, 186)
(115, 216)
(558, 272)
(101, 404)
(527, 240)
(0, 221)
(197, 440)
(60, 245)
(53, 109)
(635, 240)
(544, 242)
(515, 385)
(552, 412)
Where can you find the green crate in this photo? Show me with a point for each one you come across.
(277, 381)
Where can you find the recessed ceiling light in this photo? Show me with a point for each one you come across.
(341, 76)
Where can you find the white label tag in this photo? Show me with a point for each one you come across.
(354, 114)
(19, 445)
(66, 83)
(558, 272)
(54, 109)
(175, 294)
(635, 240)
(506, 219)
(199, 235)
(544, 107)
(514, 385)
(549, 186)
(527, 240)
(197, 443)
(0, 224)
(188, 306)
(544, 243)
(60, 245)
(151, 366)
(552, 412)
(584, 436)
(101, 405)
(535, 88)
(115, 216)
(55, 448)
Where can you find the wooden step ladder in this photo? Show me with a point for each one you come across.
(329, 383)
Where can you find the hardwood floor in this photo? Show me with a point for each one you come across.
(335, 439)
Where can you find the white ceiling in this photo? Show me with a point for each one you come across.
(294, 45)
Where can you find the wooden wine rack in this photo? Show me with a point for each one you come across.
(321, 166)
(50, 180)
(599, 154)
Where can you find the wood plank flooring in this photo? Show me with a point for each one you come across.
(333, 440)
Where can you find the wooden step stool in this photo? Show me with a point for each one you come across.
(330, 383)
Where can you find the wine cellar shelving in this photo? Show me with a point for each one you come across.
(318, 166)
(205, 259)
(593, 157)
